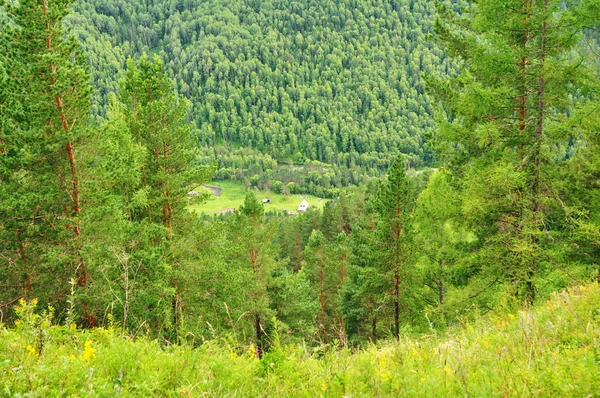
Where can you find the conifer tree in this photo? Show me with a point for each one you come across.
(45, 106)
(325, 266)
(441, 242)
(365, 295)
(580, 185)
(158, 120)
(394, 205)
(501, 127)
(341, 253)
(251, 257)
(142, 165)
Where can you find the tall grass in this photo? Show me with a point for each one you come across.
(552, 350)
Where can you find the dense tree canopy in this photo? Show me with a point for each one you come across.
(333, 81)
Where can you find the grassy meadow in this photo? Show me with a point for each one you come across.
(552, 350)
(233, 193)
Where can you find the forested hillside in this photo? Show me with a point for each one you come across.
(333, 81)
(104, 174)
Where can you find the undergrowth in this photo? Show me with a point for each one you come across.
(552, 350)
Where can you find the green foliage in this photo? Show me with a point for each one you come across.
(333, 81)
(324, 272)
(250, 262)
(502, 130)
(140, 168)
(157, 120)
(296, 305)
(579, 187)
(550, 350)
(44, 106)
(383, 274)
(443, 256)
(252, 208)
(96, 219)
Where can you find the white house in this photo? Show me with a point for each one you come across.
(303, 206)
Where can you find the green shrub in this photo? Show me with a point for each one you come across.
(552, 350)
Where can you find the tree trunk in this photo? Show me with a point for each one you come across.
(322, 328)
(259, 342)
(537, 157)
(81, 270)
(343, 336)
(257, 327)
(175, 305)
(168, 205)
(374, 330)
(397, 304)
(523, 62)
(397, 257)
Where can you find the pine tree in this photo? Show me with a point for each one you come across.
(341, 252)
(501, 127)
(142, 165)
(45, 106)
(111, 180)
(441, 240)
(158, 118)
(394, 205)
(580, 185)
(326, 267)
(365, 295)
(252, 258)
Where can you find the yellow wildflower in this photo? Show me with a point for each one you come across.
(384, 367)
(251, 353)
(88, 352)
(32, 351)
(385, 375)
(232, 354)
(324, 386)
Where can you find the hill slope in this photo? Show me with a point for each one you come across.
(334, 81)
(552, 350)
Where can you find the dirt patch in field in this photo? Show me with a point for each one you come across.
(225, 211)
(215, 190)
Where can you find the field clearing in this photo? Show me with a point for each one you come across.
(233, 194)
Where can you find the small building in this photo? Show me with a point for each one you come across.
(303, 206)
(267, 201)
